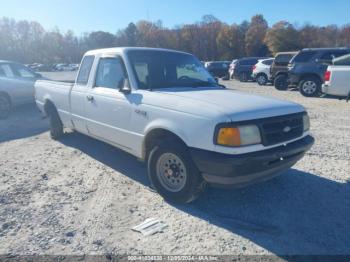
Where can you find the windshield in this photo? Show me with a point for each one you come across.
(161, 69)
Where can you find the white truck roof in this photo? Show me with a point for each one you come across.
(126, 49)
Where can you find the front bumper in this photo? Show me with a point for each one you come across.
(241, 170)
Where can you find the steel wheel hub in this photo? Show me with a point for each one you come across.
(171, 172)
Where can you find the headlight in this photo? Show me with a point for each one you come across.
(306, 122)
(238, 136)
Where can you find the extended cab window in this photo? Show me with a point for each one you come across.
(85, 69)
(110, 73)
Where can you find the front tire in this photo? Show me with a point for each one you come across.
(5, 107)
(173, 174)
(281, 83)
(310, 87)
(56, 126)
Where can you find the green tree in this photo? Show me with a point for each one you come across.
(254, 38)
(282, 37)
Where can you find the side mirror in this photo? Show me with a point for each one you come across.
(124, 86)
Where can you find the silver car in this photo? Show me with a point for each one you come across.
(16, 86)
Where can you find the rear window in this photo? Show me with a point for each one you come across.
(267, 62)
(333, 54)
(283, 58)
(249, 62)
(304, 57)
(85, 69)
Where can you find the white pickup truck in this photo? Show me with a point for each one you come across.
(337, 78)
(163, 107)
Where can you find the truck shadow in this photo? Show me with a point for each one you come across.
(296, 213)
(24, 121)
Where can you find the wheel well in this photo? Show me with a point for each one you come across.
(311, 75)
(281, 73)
(7, 96)
(261, 73)
(49, 107)
(157, 135)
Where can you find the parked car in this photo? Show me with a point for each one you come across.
(218, 69)
(308, 67)
(188, 129)
(16, 86)
(337, 78)
(279, 69)
(244, 68)
(261, 71)
(232, 68)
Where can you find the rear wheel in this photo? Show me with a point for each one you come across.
(310, 86)
(243, 77)
(261, 79)
(56, 126)
(173, 173)
(281, 83)
(5, 106)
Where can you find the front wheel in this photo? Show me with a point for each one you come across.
(5, 107)
(173, 173)
(310, 86)
(281, 83)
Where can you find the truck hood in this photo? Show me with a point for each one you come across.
(238, 106)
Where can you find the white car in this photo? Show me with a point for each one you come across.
(337, 78)
(261, 71)
(164, 108)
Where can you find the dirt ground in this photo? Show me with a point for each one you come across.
(81, 196)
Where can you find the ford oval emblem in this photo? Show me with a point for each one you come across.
(287, 129)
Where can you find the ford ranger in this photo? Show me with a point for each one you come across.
(164, 108)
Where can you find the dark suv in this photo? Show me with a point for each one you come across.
(218, 68)
(279, 69)
(244, 68)
(307, 68)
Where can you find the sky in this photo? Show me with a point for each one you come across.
(111, 15)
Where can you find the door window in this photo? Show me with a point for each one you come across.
(23, 71)
(85, 69)
(6, 71)
(110, 73)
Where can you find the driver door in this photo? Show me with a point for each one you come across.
(108, 110)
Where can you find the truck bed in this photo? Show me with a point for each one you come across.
(55, 91)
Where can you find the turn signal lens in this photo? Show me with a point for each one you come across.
(238, 136)
(229, 136)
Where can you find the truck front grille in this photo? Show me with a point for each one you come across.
(281, 129)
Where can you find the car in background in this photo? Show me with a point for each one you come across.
(337, 78)
(66, 67)
(218, 69)
(244, 68)
(261, 71)
(279, 69)
(16, 86)
(308, 67)
(232, 68)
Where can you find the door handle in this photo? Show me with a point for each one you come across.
(90, 98)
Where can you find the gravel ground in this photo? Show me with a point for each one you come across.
(81, 196)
